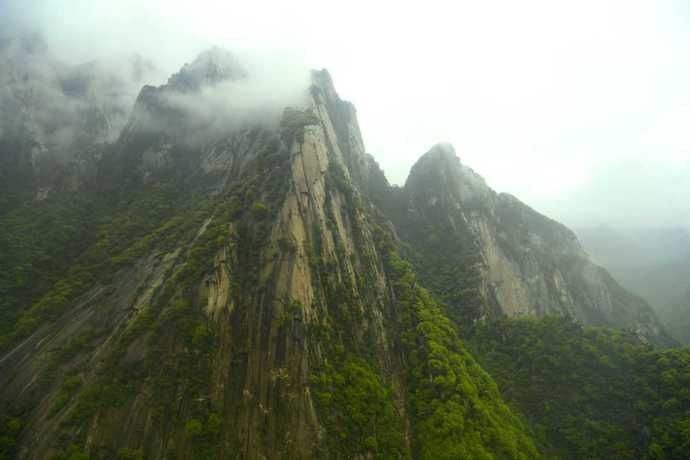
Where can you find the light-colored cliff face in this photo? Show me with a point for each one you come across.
(266, 314)
(276, 415)
(269, 289)
(296, 277)
(524, 263)
(521, 270)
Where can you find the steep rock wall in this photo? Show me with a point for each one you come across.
(487, 253)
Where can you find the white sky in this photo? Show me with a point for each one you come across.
(579, 108)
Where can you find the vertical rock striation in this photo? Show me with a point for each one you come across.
(242, 294)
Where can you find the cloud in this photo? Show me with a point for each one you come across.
(547, 100)
(56, 105)
(257, 94)
(62, 102)
(218, 93)
(217, 109)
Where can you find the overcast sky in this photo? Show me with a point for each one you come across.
(579, 108)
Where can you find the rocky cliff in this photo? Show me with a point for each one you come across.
(238, 296)
(506, 258)
(230, 286)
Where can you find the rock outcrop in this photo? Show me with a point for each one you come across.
(507, 259)
(241, 294)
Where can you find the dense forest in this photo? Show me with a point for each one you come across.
(208, 290)
(590, 392)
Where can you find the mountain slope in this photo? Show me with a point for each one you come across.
(234, 283)
(590, 392)
(487, 254)
(237, 296)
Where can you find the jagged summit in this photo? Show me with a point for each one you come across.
(252, 262)
(440, 159)
(443, 149)
(522, 262)
(440, 172)
(212, 66)
(322, 80)
(229, 288)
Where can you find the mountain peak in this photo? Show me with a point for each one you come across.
(212, 66)
(440, 158)
(440, 155)
(439, 177)
(321, 78)
(443, 150)
(440, 165)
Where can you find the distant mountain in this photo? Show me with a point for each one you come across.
(676, 315)
(211, 67)
(487, 254)
(56, 119)
(230, 293)
(653, 263)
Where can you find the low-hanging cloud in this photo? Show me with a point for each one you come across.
(255, 94)
(547, 100)
(61, 107)
(63, 98)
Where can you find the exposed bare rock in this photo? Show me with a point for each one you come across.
(518, 261)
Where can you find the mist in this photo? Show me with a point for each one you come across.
(61, 103)
(580, 110)
(250, 96)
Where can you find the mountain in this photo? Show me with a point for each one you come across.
(56, 119)
(238, 297)
(654, 263)
(243, 284)
(589, 392)
(211, 67)
(676, 315)
(488, 255)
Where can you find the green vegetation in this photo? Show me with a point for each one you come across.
(448, 261)
(69, 386)
(130, 454)
(591, 393)
(55, 251)
(204, 435)
(573, 392)
(259, 210)
(10, 427)
(445, 254)
(97, 397)
(456, 408)
(56, 254)
(358, 412)
(72, 452)
(38, 243)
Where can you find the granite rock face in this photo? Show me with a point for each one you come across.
(235, 262)
(302, 257)
(522, 263)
